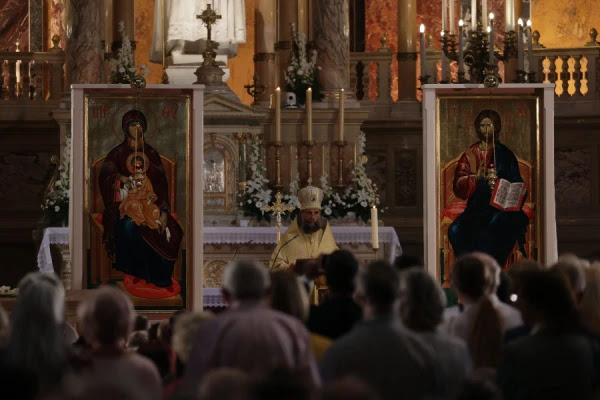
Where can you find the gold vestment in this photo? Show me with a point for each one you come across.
(304, 245)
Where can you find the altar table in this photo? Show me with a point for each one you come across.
(225, 244)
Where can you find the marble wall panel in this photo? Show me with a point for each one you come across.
(573, 176)
(381, 18)
(85, 56)
(376, 168)
(36, 25)
(241, 66)
(14, 25)
(405, 177)
(564, 23)
(55, 12)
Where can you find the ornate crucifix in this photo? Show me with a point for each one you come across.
(209, 17)
(278, 208)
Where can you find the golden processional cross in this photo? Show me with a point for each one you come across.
(278, 208)
(209, 17)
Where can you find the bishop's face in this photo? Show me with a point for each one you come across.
(485, 132)
(310, 220)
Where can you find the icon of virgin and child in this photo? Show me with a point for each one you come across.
(140, 233)
(482, 226)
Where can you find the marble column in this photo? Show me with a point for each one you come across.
(108, 24)
(264, 48)
(407, 50)
(84, 45)
(123, 11)
(331, 29)
(36, 18)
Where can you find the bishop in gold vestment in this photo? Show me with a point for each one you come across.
(309, 236)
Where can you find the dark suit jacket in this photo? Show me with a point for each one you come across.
(547, 366)
(380, 352)
(335, 317)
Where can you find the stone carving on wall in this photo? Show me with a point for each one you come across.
(219, 175)
(406, 177)
(573, 176)
(213, 273)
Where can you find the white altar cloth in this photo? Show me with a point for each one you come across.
(267, 235)
(51, 236)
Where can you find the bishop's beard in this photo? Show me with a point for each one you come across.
(307, 226)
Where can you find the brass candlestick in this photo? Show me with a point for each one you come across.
(375, 252)
(278, 146)
(340, 183)
(309, 145)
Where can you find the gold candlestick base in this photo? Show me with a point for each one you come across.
(340, 182)
(376, 252)
(278, 146)
(309, 145)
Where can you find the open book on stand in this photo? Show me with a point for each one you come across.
(508, 196)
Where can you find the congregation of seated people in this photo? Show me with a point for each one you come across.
(383, 331)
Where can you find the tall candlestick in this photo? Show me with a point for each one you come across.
(423, 64)
(451, 19)
(461, 61)
(510, 15)
(374, 228)
(491, 51)
(484, 14)
(278, 114)
(444, 64)
(473, 15)
(530, 46)
(520, 58)
(341, 117)
(308, 106)
(444, 14)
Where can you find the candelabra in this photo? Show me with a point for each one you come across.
(476, 55)
(309, 145)
(340, 183)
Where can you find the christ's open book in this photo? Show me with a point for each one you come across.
(508, 196)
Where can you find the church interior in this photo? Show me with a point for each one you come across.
(371, 50)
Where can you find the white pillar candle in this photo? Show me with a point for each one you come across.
(374, 228)
(278, 115)
(491, 51)
(530, 46)
(509, 8)
(473, 14)
(484, 13)
(451, 18)
(308, 106)
(444, 65)
(341, 117)
(444, 14)
(520, 58)
(461, 61)
(423, 64)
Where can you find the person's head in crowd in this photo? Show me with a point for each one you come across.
(111, 318)
(546, 301)
(348, 388)
(288, 295)
(69, 333)
(173, 319)
(141, 323)
(377, 289)
(573, 269)
(161, 355)
(589, 307)
(422, 301)
(91, 389)
(153, 331)
(37, 337)
(225, 384)
(479, 388)
(136, 339)
(281, 385)
(504, 288)
(407, 261)
(185, 329)
(514, 273)
(4, 328)
(475, 277)
(245, 281)
(164, 331)
(340, 271)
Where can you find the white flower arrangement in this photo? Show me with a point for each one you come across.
(302, 71)
(256, 195)
(333, 205)
(56, 204)
(7, 291)
(123, 68)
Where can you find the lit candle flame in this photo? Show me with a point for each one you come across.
(422, 28)
(461, 22)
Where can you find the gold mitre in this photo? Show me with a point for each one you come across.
(310, 197)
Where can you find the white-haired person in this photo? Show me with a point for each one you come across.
(108, 320)
(250, 336)
(36, 345)
(422, 303)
